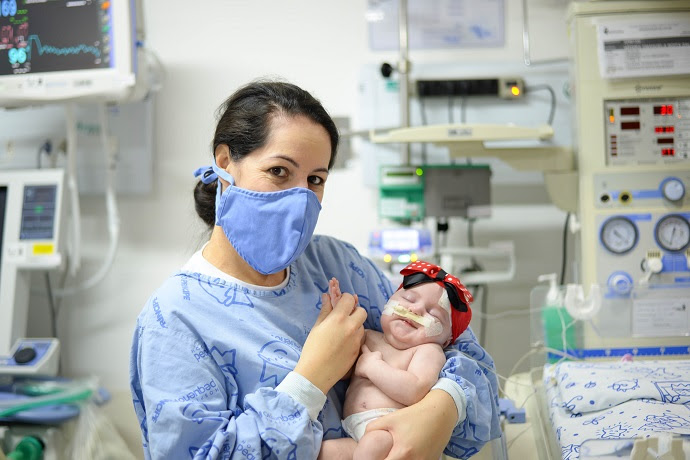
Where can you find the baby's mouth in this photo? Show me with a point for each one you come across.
(408, 322)
(410, 318)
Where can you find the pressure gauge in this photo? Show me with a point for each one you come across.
(619, 235)
(673, 189)
(672, 232)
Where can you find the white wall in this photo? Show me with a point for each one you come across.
(207, 52)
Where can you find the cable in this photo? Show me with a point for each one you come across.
(512, 441)
(564, 254)
(75, 210)
(482, 308)
(516, 312)
(54, 309)
(552, 112)
(111, 209)
(51, 305)
(422, 112)
(46, 147)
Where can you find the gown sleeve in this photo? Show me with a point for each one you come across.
(182, 418)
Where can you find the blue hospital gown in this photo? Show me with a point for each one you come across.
(207, 355)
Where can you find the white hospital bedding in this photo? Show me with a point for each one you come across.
(616, 400)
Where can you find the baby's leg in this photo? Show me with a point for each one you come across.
(337, 449)
(374, 445)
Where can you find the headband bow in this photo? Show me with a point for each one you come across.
(460, 298)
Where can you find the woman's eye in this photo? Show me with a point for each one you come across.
(316, 180)
(278, 171)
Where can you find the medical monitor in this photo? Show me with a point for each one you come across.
(62, 50)
(31, 208)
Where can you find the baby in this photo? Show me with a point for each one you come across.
(398, 367)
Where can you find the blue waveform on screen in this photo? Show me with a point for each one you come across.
(59, 51)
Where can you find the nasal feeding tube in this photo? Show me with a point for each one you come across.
(432, 326)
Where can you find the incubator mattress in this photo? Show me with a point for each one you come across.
(616, 400)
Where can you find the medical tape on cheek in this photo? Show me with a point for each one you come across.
(432, 327)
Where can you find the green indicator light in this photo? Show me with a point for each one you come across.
(38, 209)
(105, 28)
(419, 171)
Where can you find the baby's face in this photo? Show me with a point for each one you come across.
(421, 300)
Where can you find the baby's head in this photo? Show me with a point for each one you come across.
(430, 306)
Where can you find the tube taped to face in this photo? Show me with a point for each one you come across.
(269, 230)
(432, 326)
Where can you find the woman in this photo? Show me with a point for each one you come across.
(241, 354)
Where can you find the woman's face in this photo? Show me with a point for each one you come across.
(422, 300)
(296, 154)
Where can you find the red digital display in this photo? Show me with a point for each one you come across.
(630, 125)
(664, 140)
(664, 129)
(666, 109)
(668, 152)
(630, 110)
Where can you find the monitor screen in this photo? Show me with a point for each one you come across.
(55, 50)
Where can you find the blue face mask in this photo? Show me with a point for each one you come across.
(269, 230)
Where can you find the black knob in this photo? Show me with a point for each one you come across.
(24, 355)
(386, 70)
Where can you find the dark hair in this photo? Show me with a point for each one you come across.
(244, 125)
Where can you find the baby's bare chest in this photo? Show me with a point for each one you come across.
(400, 359)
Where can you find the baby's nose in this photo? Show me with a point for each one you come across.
(417, 308)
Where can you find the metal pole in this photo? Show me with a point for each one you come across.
(403, 70)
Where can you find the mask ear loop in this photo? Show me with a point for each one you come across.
(223, 174)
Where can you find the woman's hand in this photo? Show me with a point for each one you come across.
(366, 360)
(420, 431)
(333, 343)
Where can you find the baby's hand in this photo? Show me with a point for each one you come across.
(367, 360)
(334, 291)
(335, 294)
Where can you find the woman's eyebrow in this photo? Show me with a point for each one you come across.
(288, 159)
(296, 165)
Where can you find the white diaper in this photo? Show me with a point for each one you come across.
(355, 424)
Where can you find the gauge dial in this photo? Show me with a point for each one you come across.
(673, 232)
(619, 235)
(673, 189)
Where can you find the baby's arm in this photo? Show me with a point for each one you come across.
(405, 386)
(334, 291)
(335, 294)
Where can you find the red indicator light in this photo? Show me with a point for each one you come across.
(664, 129)
(668, 152)
(666, 109)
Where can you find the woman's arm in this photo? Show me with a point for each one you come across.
(191, 409)
(420, 431)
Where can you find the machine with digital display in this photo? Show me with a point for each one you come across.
(400, 245)
(411, 193)
(31, 208)
(633, 133)
(65, 50)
